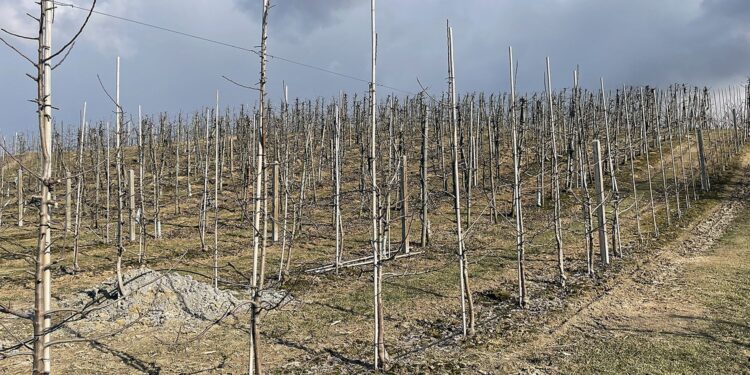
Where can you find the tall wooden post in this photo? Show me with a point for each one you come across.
(79, 188)
(231, 156)
(467, 305)
(217, 182)
(177, 169)
(276, 201)
(631, 153)
(120, 180)
(19, 190)
(68, 197)
(260, 183)
(43, 275)
(601, 211)
(612, 175)
(737, 138)
(424, 241)
(131, 206)
(404, 207)
(555, 181)
(523, 298)
(336, 186)
(379, 344)
(706, 184)
(141, 207)
(108, 183)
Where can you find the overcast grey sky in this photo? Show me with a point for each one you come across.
(657, 42)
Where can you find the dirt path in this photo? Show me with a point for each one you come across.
(685, 310)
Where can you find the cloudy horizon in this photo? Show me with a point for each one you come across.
(639, 42)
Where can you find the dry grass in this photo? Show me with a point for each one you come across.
(331, 331)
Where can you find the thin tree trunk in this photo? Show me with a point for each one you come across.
(68, 203)
(379, 344)
(120, 177)
(141, 205)
(705, 182)
(467, 305)
(405, 247)
(255, 357)
(424, 241)
(613, 177)
(657, 108)
(337, 188)
(43, 276)
(555, 182)
(108, 182)
(216, 195)
(648, 168)
(131, 205)
(631, 152)
(203, 215)
(79, 189)
(19, 196)
(523, 299)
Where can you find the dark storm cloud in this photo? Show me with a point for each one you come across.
(711, 47)
(296, 17)
(701, 42)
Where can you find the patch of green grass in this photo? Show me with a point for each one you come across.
(647, 354)
(715, 342)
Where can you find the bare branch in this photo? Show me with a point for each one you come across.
(18, 314)
(20, 36)
(18, 52)
(241, 85)
(13, 335)
(106, 92)
(84, 339)
(64, 57)
(38, 177)
(73, 40)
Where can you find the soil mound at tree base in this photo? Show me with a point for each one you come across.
(157, 298)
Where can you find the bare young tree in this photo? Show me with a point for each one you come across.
(467, 304)
(555, 182)
(41, 317)
(216, 194)
(381, 356)
(631, 153)
(612, 176)
(337, 223)
(19, 196)
(255, 366)
(79, 189)
(425, 239)
(523, 298)
(120, 179)
(648, 165)
(203, 213)
(141, 206)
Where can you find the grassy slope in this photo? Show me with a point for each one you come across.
(691, 316)
(332, 330)
(708, 329)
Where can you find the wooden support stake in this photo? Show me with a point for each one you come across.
(276, 201)
(68, 212)
(601, 209)
(19, 189)
(131, 195)
(706, 184)
(404, 207)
